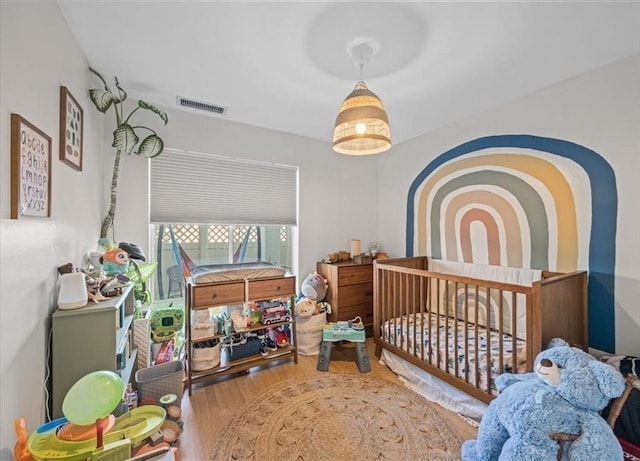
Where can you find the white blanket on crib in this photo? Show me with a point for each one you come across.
(512, 275)
(504, 274)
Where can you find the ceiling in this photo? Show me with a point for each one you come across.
(285, 66)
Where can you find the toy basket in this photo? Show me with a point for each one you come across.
(309, 333)
(241, 351)
(159, 380)
(205, 357)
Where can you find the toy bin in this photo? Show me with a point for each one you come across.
(159, 380)
(309, 333)
(205, 355)
(241, 351)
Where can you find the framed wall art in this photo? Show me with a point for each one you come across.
(71, 130)
(30, 170)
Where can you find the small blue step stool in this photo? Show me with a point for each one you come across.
(334, 332)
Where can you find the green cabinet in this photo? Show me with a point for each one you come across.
(96, 337)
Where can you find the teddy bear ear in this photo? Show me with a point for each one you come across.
(557, 342)
(610, 380)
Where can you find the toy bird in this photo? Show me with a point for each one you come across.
(115, 261)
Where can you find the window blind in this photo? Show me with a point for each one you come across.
(190, 187)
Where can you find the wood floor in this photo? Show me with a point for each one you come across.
(212, 405)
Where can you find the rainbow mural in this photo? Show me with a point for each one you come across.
(522, 201)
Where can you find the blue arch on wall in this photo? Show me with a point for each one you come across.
(602, 240)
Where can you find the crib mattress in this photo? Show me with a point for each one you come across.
(452, 333)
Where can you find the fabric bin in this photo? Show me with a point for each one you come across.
(309, 333)
(205, 358)
(159, 380)
(240, 351)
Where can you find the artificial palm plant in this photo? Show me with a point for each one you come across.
(125, 137)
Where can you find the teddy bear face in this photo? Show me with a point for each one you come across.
(578, 377)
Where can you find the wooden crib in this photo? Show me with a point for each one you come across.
(467, 330)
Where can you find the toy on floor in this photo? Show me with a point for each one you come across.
(88, 430)
(564, 395)
(21, 450)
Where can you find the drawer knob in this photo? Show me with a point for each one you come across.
(213, 296)
(369, 293)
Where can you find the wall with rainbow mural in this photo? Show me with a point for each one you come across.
(549, 181)
(522, 201)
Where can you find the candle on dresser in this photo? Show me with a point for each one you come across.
(355, 248)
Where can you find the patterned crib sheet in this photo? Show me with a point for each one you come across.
(452, 334)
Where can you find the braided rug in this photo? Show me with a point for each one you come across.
(337, 417)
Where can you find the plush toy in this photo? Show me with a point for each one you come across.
(564, 395)
(115, 261)
(314, 287)
(306, 307)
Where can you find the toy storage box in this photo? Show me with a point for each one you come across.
(309, 333)
(205, 357)
(159, 380)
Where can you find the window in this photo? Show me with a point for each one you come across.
(215, 244)
(220, 210)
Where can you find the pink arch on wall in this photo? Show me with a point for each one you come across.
(491, 228)
(517, 231)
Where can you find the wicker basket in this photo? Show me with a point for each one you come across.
(241, 351)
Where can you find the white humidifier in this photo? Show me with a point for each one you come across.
(73, 291)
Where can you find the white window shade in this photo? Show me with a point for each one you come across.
(189, 187)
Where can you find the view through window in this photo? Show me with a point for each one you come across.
(213, 244)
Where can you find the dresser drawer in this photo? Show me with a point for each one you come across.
(270, 288)
(216, 295)
(355, 274)
(350, 295)
(364, 311)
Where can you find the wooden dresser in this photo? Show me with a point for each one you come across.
(350, 291)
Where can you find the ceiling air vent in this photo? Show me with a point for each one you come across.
(199, 105)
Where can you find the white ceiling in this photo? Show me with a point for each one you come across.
(284, 66)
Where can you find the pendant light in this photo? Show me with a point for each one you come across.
(362, 125)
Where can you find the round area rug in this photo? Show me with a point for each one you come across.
(337, 417)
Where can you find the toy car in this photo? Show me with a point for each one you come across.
(275, 314)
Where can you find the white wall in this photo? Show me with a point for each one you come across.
(599, 110)
(337, 193)
(38, 55)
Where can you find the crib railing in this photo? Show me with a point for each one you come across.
(472, 317)
(410, 302)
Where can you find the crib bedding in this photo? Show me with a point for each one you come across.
(414, 339)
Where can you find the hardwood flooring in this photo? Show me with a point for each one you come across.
(213, 405)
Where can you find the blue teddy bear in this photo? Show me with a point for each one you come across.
(564, 394)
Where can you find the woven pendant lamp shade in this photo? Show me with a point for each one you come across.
(362, 125)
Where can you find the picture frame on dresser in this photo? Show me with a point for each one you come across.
(30, 170)
(71, 129)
